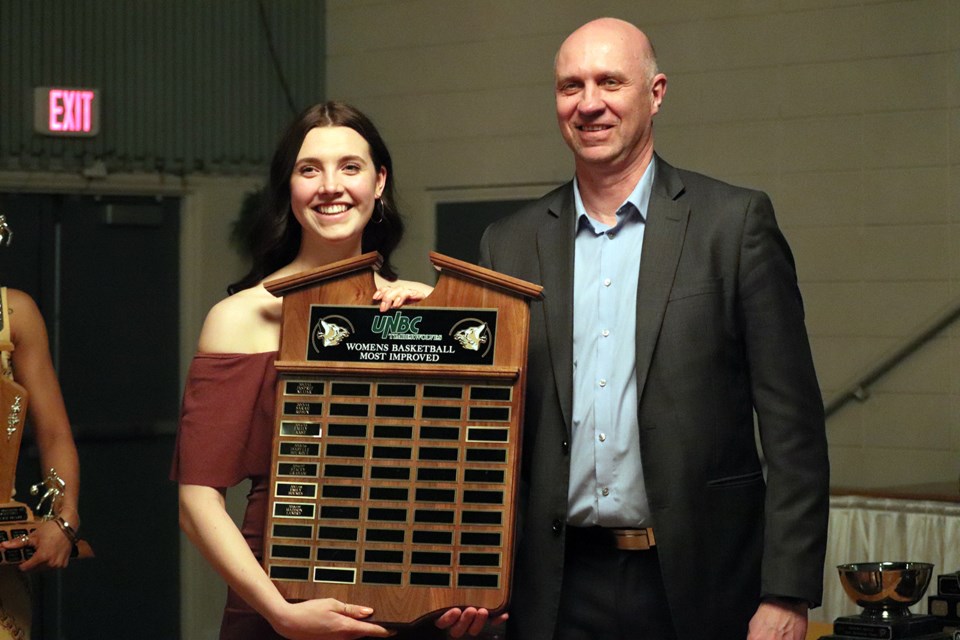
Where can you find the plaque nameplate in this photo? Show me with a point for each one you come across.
(302, 429)
(292, 510)
(304, 470)
(409, 336)
(299, 449)
(15, 513)
(293, 490)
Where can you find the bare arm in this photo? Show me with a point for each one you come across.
(34, 370)
(247, 323)
(204, 519)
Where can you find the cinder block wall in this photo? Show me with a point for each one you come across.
(846, 111)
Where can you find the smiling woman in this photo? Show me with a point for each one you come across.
(334, 189)
(330, 197)
(277, 233)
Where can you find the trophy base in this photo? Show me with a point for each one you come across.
(927, 636)
(946, 607)
(915, 627)
(949, 584)
(16, 519)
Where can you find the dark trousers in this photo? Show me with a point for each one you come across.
(609, 594)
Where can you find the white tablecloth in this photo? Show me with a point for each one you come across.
(866, 529)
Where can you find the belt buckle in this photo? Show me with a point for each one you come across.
(634, 539)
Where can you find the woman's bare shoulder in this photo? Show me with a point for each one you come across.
(17, 298)
(246, 322)
(25, 318)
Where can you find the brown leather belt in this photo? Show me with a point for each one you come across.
(634, 539)
(607, 537)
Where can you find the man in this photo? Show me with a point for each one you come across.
(671, 314)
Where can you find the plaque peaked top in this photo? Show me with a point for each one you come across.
(396, 447)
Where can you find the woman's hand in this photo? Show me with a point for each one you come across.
(52, 547)
(394, 295)
(325, 619)
(204, 519)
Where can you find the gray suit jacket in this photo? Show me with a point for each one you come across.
(720, 336)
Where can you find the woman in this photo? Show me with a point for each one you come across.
(330, 197)
(25, 357)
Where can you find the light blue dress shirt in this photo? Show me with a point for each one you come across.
(606, 473)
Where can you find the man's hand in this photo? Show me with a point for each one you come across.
(467, 622)
(779, 620)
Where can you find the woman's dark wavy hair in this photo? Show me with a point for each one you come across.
(275, 235)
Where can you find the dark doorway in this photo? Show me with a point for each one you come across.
(105, 273)
(460, 225)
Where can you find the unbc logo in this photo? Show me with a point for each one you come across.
(397, 323)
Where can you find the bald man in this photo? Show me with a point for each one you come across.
(671, 317)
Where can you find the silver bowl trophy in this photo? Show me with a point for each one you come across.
(886, 590)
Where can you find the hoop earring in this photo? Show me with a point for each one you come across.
(6, 233)
(377, 220)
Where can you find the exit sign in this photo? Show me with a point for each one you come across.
(66, 111)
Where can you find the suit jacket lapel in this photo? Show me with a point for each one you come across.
(666, 226)
(555, 248)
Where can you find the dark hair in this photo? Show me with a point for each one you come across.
(275, 235)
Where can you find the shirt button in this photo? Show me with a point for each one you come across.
(605, 492)
(557, 526)
(606, 282)
(603, 382)
(611, 235)
(603, 437)
(605, 333)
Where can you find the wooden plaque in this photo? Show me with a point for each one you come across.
(396, 447)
